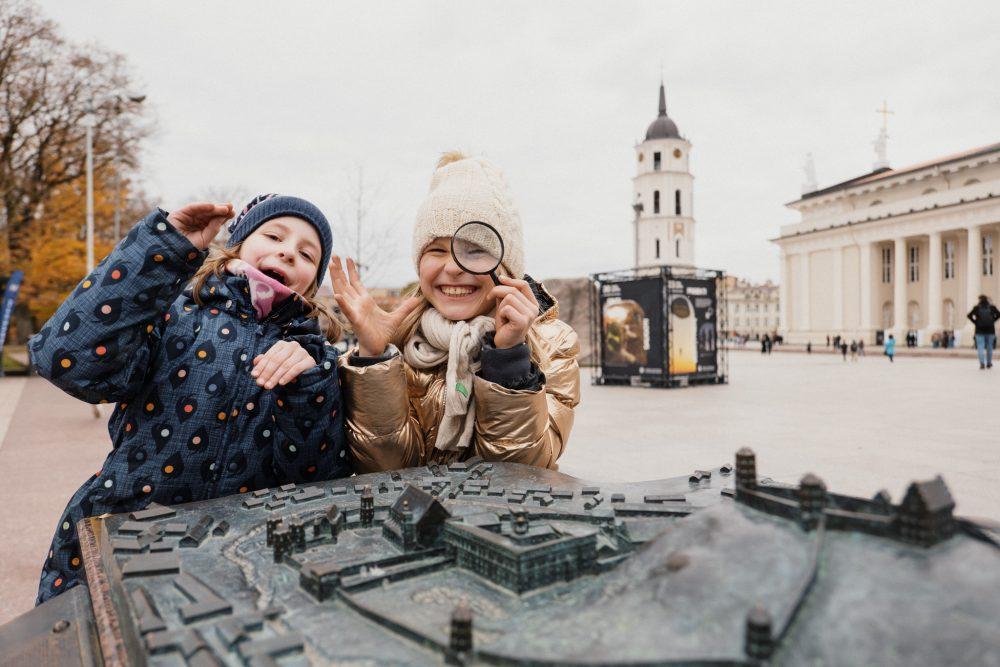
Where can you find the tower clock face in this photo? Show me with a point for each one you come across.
(677, 152)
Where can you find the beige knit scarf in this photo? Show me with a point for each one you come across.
(438, 339)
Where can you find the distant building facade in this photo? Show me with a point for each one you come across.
(752, 309)
(894, 251)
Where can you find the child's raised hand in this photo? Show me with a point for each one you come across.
(373, 326)
(516, 310)
(200, 222)
(284, 362)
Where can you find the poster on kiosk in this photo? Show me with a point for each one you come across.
(632, 327)
(693, 330)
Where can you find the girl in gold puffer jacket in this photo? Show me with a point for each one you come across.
(464, 368)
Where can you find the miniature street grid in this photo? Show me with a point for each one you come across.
(494, 563)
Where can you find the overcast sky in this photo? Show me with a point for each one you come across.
(291, 97)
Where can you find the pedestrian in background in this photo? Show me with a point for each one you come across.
(890, 347)
(843, 349)
(861, 347)
(984, 315)
(854, 350)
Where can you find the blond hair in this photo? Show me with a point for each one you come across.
(215, 265)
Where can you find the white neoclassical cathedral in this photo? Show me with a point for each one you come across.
(894, 250)
(664, 202)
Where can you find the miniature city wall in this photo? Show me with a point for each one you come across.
(492, 563)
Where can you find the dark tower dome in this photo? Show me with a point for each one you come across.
(662, 127)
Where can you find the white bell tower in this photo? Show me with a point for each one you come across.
(663, 189)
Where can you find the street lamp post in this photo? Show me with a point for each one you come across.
(88, 122)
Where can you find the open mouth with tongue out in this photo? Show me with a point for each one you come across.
(275, 275)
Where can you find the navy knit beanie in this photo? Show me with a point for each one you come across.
(267, 207)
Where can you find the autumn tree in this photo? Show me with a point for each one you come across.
(47, 87)
(57, 256)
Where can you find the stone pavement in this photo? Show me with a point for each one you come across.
(860, 426)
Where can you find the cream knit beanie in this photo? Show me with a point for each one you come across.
(464, 189)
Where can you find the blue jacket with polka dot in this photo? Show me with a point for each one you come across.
(190, 422)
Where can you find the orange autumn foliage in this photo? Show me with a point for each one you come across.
(57, 256)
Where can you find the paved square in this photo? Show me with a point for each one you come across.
(860, 426)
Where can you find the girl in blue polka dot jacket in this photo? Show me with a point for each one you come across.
(223, 379)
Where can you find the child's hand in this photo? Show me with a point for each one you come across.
(373, 326)
(200, 222)
(516, 310)
(284, 362)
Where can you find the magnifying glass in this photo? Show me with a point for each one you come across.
(478, 249)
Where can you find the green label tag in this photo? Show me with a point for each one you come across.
(460, 388)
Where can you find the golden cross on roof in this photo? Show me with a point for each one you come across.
(885, 114)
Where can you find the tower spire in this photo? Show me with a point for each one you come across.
(663, 100)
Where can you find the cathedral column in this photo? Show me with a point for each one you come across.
(973, 277)
(899, 324)
(865, 300)
(934, 305)
(805, 323)
(783, 291)
(838, 290)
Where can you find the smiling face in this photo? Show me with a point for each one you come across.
(454, 293)
(287, 249)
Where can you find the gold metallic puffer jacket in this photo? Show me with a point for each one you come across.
(393, 410)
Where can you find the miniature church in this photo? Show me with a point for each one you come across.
(663, 188)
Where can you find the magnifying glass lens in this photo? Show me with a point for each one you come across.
(477, 248)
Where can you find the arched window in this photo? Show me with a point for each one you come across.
(657, 248)
(656, 201)
(677, 202)
(677, 247)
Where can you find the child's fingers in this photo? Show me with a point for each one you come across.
(297, 369)
(521, 286)
(272, 360)
(352, 272)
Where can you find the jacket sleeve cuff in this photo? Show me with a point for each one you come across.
(510, 368)
(359, 361)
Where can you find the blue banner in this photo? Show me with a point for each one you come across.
(9, 297)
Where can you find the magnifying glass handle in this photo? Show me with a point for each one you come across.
(496, 281)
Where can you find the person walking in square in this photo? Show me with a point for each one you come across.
(984, 315)
(890, 348)
(854, 350)
(843, 349)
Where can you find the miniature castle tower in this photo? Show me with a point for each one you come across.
(759, 640)
(272, 525)
(925, 515)
(746, 470)
(297, 529)
(812, 500)
(460, 639)
(407, 526)
(520, 524)
(367, 507)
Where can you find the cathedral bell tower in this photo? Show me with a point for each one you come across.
(663, 195)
